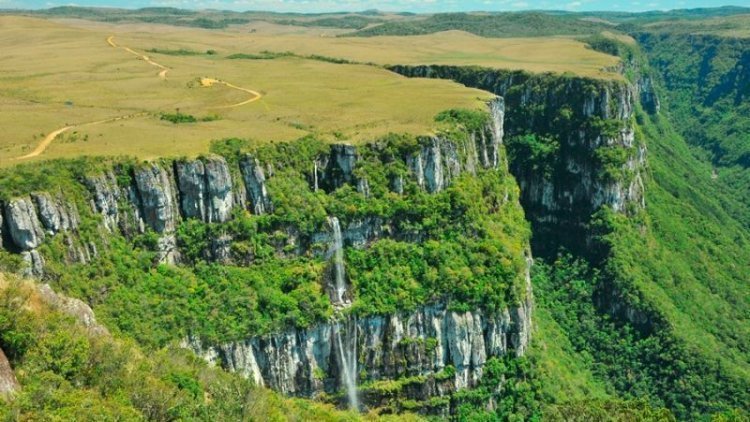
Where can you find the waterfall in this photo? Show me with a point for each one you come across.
(336, 251)
(348, 365)
(315, 176)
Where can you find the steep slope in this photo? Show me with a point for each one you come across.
(651, 293)
(68, 368)
(706, 85)
(291, 263)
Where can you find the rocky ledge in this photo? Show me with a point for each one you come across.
(447, 348)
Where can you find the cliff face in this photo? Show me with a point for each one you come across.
(571, 144)
(447, 348)
(240, 210)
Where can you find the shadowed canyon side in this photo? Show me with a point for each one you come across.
(591, 158)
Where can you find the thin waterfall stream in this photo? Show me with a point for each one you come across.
(337, 254)
(345, 339)
(348, 360)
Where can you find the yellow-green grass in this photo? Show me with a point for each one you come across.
(538, 54)
(59, 73)
(53, 75)
(737, 26)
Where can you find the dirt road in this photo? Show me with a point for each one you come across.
(55, 133)
(205, 82)
(147, 59)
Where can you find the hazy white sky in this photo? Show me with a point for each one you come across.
(390, 5)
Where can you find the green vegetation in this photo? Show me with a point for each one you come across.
(641, 319)
(345, 22)
(536, 152)
(269, 55)
(68, 373)
(646, 316)
(263, 55)
(181, 52)
(178, 117)
(706, 77)
(272, 286)
(523, 24)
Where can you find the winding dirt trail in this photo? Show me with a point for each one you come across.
(205, 82)
(55, 133)
(145, 58)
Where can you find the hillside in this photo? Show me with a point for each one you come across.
(71, 367)
(522, 24)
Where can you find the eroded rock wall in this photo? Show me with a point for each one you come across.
(587, 124)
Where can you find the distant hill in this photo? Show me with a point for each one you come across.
(524, 24)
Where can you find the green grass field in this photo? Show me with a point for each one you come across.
(63, 73)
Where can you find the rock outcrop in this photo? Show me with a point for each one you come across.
(56, 215)
(446, 347)
(336, 168)
(255, 185)
(648, 95)
(583, 117)
(76, 308)
(105, 195)
(24, 227)
(424, 342)
(158, 206)
(8, 382)
(205, 187)
(157, 198)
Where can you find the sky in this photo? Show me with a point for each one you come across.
(387, 5)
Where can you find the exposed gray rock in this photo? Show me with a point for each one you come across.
(23, 225)
(343, 160)
(397, 184)
(491, 140)
(423, 342)
(649, 97)
(221, 249)
(363, 187)
(167, 249)
(192, 187)
(255, 184)
(34, 264)
(73, 307)
(358, 234)
(205, 187)
(157, 198)
(336, 168)
(436, 164)
(105, 196)
(55, 214)
(220, 198)
(8, 381)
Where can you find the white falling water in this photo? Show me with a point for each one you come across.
(337, 253)
(348, 363)
(315, 176)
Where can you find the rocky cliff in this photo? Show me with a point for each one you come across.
(446, 349)
(572, 146)
(327, 206)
